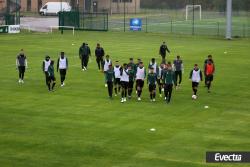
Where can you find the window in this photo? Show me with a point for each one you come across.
(45, 7)
(28, 5)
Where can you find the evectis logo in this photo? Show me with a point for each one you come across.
(224, 158)
(227, 157)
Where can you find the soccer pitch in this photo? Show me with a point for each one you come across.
(78, 125)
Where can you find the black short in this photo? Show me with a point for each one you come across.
(52, 78)
(63, 72)
(209, 78)
(21, 69)
(117, 81)
(46, 74)
(124, 84)
(151, 87)
(140, 83)
(131, 84)
(195, 84)
(159, 82)
(163, 55)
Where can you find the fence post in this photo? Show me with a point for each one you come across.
(107, 21)
(62, 21)
(244, 30)
(171, 26)
(218, 28)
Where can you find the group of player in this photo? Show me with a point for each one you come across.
(123, 78)
(47, 68)
(166, 76)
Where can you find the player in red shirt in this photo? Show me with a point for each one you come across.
(209, 74)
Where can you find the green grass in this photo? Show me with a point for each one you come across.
(79, 126)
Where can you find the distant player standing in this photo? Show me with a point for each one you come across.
(62, 65)
(21, 65)
(195, 76)
(209, 74)
(151, 80)
(110, 75)
(117, 81)
(178, 69)
(84, 53)
(124, 82)
(163, 50)
(106, 63)
(168, 80)
(140, 77)
(45, 66)
(52, 79)
(99, 53)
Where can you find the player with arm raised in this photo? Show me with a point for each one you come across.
(124, 82)
(106, 63)
(21, 65)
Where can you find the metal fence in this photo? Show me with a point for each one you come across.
(10, 12)
(174, 21)
(84, 21)
(169, 18)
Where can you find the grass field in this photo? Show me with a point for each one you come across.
(78, 125)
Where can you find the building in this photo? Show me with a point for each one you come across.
(110, 6)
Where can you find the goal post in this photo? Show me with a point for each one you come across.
(193, 7)
(66, 27)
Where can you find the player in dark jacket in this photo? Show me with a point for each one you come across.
(52, 79)
(163, 50)
(84, 53)
(99, 54)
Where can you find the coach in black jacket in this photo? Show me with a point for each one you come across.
(84, 53)
(163, 50)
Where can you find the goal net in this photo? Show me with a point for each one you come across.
(191, 8)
